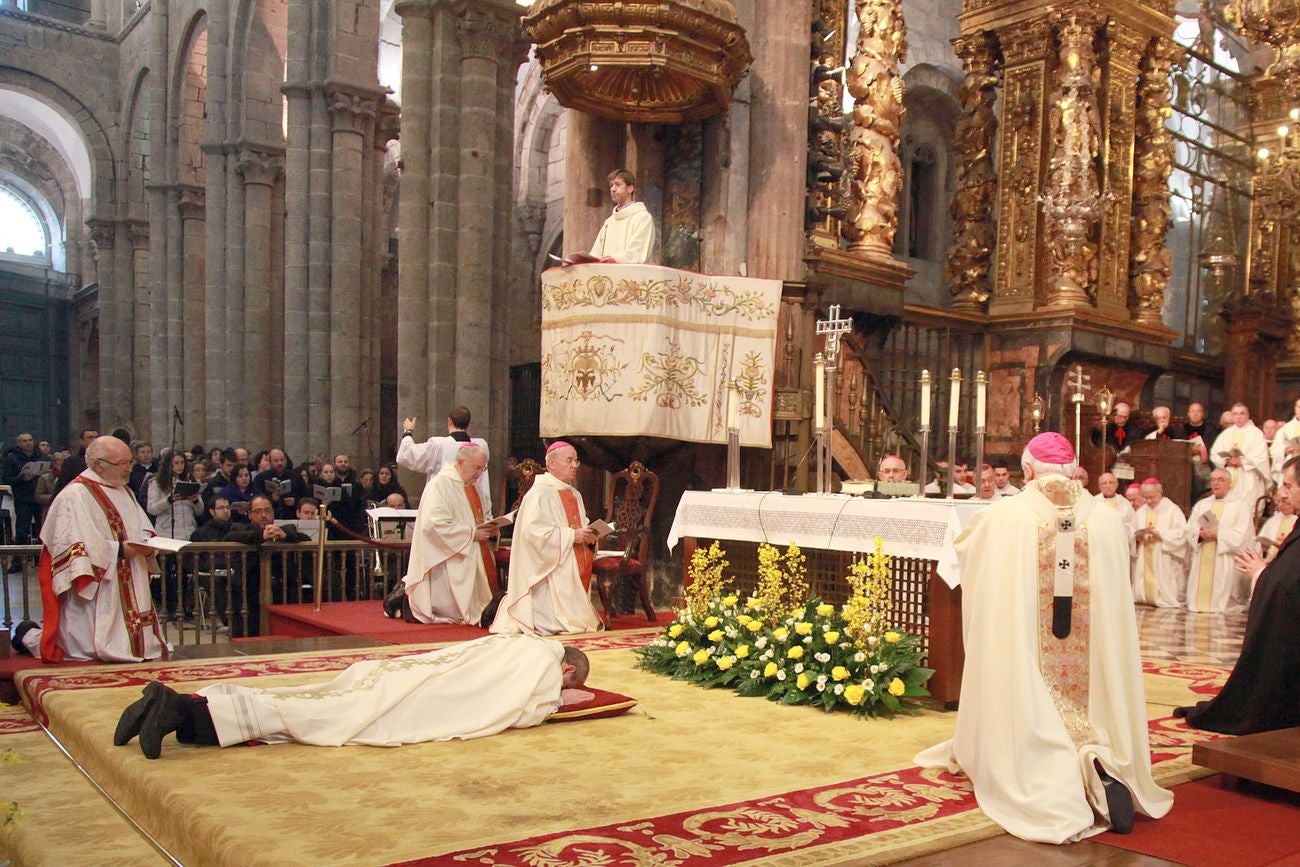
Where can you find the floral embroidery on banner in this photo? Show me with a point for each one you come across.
(1064, 664)
(709, 296)
(583, 369)
(671, 377)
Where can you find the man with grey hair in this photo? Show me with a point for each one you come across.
(1164, 429)
(892, 468)
(1052, 726)
(1241, 450)
(1160, 570)
(551, 555)
(94, 569)
(452, 574)
(1219, 528)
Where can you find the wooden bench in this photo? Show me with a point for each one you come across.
(1272, 758)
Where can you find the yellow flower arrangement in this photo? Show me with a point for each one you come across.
(725, 662)
(893, 637)
(897, 687)
(742, 651)
(854, 694)
(780, 633)
(770, 670)
(730, 601)
(867, 610)
(675, 631)
(684, 649)
(825, 609)
(710, 622)
(802, 680)
(782, 580)
(839, 673)
(743, 619)
(754, 626)
(803, 627)
(831, 637)
(705, 571)
(715, 636)
(701, 657)
(795, 652)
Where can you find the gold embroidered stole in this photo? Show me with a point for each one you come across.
(582, 552)
(1209, 550)
(1148, 560)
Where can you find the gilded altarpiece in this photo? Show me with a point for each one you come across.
(1125, 49)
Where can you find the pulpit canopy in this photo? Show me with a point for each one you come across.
(671, 61)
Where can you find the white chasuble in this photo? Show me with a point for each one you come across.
(627, 235)
(546, 593)
(1212, 581)
(1250, 480)
(430, 456)
(1275, 529)
(469, 690)
(447, 575)
(1160, 570)
(643, 350)
(1039, 711)
(104, 607)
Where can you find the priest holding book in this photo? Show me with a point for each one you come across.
(94, 569)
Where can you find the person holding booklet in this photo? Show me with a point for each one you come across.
(94, 569)
(550, 564)
(23, 464)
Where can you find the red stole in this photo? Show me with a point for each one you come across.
(582, 552)
(133, 619)
(485, 550)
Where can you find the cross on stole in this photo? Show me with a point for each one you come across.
(833, 327)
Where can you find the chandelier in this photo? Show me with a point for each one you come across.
(1275, 23)
(664, 62)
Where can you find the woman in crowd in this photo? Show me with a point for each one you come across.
(261, 462)
(175, 515)
(366, 479)
(47, 481)
(240, 494)
(386, 483)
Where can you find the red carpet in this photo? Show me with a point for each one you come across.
(367, 618)
(1264, 830)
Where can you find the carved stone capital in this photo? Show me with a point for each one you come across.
(137, 232)
(259, 166)
(102, 233)
(193, 202)
(490, 37)
(351, 109)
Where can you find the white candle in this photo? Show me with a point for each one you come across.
(819, 390)
(733, 405)
(981, 389)
(925, 398)
(954, 399)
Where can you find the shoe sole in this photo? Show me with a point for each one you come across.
(1119, 803)
(133, 717)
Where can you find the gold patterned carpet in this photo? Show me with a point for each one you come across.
(690, 777)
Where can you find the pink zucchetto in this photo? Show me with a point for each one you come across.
(558, 444)
(1051, 448)
(1151, 480)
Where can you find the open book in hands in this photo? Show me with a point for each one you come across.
(602, 529)
(500, 521)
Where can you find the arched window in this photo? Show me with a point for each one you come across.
(25, 233)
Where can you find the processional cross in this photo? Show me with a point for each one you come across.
(831, 327)
(1080, 384)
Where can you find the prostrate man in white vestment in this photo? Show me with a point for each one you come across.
(628, 235)
(431, 455)
(1160, 531)
(468, 690)
(1218, 529)
(1285, 445)
(1242, 451)
(551, 555)
(94, 569)
(452, 574)
(1052, 726)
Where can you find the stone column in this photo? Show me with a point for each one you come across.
(297, 205)
(175, 369)
(778, 132)
(483, 39)
(1026, 47)
(114, 337)
(413, 213)
(260, 171)
(98, 20)
(137, 233)
(352, 113)
(593, 147)
(222, 344)
(192, 383)
(159, 174)
(319, 336)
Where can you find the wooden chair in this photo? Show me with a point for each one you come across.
(633, 495)
(522, 473)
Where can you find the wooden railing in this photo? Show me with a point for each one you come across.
(209, 593)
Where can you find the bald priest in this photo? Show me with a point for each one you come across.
(1052, 726)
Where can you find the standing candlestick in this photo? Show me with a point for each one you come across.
(923, 470)
(925, 398)
(819, 392)
(954, 414)
(981, 407)
(954, 399)
(733, 435)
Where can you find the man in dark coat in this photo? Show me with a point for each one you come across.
(1263, 691)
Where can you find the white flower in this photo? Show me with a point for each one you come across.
(761, 643)
(798, 668)
(826, 627)
(821, 679)
(780, 674)
(767, 654)
(859, 657)
(871, 640)
(731, 632)
(822, 657)
(821, 685)
(875, 669)
(839, 689)
(868, 684)
(808, 640)
(753, 673)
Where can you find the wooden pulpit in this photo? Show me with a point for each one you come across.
(1170, 461)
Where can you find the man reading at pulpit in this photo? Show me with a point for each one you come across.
(551, 555)
(628, 236)
(1052, 726)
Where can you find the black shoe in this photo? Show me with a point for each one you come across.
(393, 601)
(168, 712)
(133, 717)
(1181, 712)
(1119, 803)
(19, 632)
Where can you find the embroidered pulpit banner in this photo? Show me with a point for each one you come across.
(642, 350)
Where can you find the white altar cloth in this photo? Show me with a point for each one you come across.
(908, 527)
